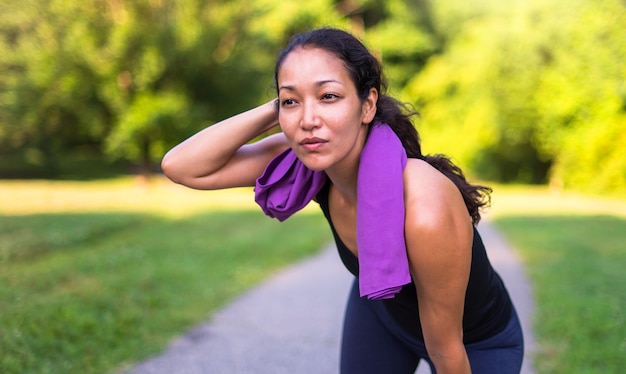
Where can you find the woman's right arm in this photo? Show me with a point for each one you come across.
(219, 156)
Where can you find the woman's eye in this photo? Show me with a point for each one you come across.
(329, 96)
(288, 102)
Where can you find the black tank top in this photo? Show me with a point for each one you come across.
(487, 303)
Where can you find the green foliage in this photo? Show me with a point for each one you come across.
(529, 92)
(129, 79)
(582, 97)
(403, 35)
(42, 80)
(525, 91)
(576, 267)
(133, 76)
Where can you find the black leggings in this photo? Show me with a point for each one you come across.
(373, 343)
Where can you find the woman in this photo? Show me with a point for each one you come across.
(437, 298)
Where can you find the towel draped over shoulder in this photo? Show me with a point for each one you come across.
(287, 186)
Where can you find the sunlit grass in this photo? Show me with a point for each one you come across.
(573, 247)
(541, 200)
(159, 196)
(97, 275)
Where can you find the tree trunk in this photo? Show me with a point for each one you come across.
(145, 172)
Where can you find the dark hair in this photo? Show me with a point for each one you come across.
(366, 73)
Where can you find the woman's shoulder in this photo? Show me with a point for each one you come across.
(422, 180)
(430, 197)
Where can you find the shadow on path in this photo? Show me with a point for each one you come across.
(292, 322)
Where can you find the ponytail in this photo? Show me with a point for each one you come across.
(398, 116)
(476, 197)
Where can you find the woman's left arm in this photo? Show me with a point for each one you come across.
(439, 237)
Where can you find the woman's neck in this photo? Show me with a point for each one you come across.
(345, 187)
(344, 179)
(344, 175)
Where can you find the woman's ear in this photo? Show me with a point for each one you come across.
(369, 106)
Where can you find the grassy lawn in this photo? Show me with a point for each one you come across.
(574, 249)
(97, 275)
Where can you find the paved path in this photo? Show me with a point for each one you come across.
(291, 323)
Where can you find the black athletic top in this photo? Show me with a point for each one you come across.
(487, 303)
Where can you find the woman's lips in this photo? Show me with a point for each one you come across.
(312, 144)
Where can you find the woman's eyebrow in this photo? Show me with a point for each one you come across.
(288, 88)
(318, 84)
(323, 82)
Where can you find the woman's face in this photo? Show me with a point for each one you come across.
(320, 112)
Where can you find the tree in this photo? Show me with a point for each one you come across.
(403, 35)
(43, 80)
(529, 92)
(130, 78)
(582, 96)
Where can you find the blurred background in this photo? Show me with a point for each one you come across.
(103, 262)
(522, 91)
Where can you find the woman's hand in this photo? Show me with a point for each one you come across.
(439, 236)
(219, 156)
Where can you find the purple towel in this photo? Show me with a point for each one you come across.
(287, 186)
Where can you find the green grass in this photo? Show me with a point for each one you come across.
(125, 268)
(95, 276)
(574, 250)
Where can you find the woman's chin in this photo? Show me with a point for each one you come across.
(314, 167)
(312, 164)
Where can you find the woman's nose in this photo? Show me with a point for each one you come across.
(310, 117)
